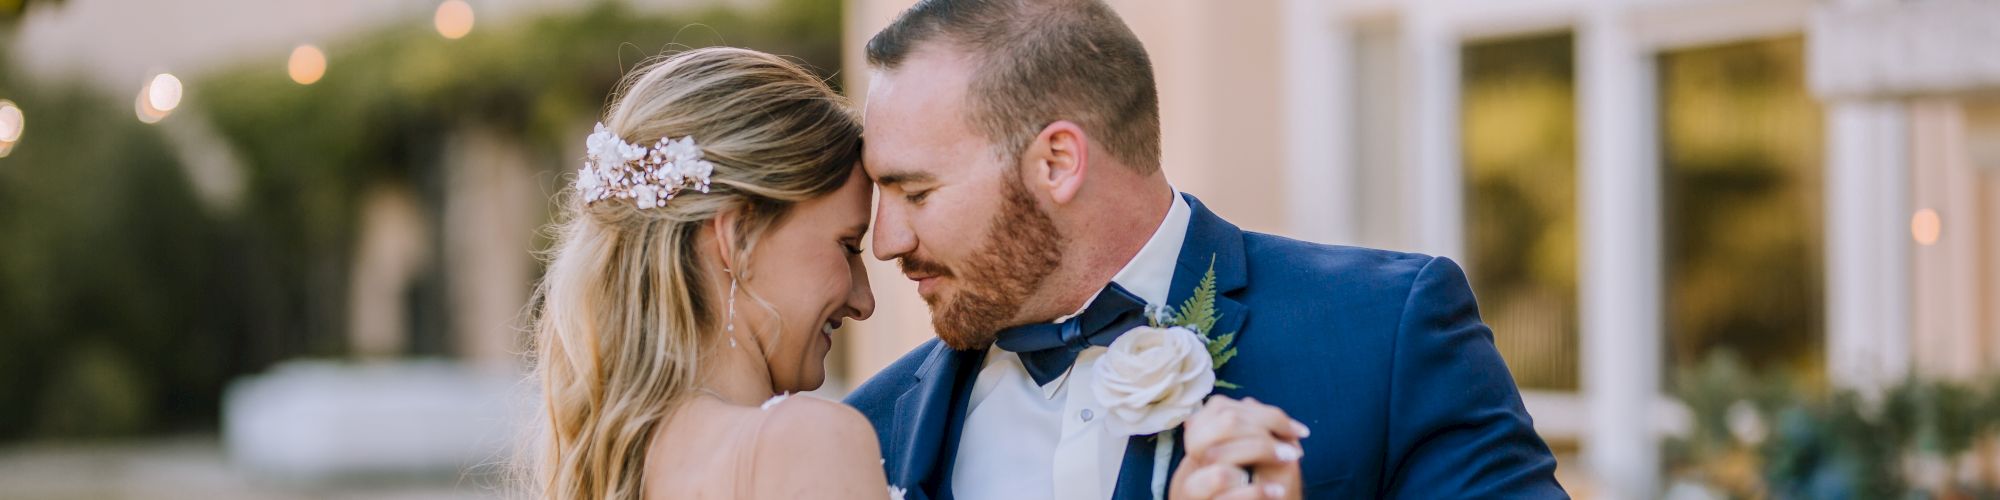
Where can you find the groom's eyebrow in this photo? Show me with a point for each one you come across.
(894, 179)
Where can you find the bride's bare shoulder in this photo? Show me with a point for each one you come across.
(826, 450)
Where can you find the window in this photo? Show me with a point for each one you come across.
(1518, 120)
(1741, 145)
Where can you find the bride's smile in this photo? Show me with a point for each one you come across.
(803, 280)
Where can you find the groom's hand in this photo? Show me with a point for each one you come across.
(1239, 450)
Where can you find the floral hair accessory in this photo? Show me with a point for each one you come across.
(647, 176)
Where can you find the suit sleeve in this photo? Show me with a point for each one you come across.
(1457, 428)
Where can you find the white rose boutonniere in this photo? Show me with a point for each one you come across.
(1153, 378)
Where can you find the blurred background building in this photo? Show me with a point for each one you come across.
(1729, 248)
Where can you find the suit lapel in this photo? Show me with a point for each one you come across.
(1212, 240)
(1209, 240)
(1135, 474)
(928, 418)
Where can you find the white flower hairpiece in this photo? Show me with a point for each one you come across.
(648, 176)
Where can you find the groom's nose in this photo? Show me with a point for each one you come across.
(893, 236)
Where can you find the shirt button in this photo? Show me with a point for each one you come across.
(1086, 414)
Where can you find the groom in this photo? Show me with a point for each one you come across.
(1017, 145)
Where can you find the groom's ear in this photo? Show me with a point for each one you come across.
(1060, 157)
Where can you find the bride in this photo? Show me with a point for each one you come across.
(706, 255)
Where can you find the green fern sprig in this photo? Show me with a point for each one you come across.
(1198, 313)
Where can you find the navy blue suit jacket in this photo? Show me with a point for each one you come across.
(1381, 353)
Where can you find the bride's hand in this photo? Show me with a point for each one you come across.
(1239, 450)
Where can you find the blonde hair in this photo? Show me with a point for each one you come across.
(625, 308)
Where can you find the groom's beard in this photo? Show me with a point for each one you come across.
(1021, 250)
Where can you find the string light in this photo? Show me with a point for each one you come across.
(157, 98)
(164, 93)
(453, 19)
(1925, 227)
(146, 112)
(306, 65)
(12, 123)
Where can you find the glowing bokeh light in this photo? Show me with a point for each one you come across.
(143, 107)
(1925, 227)
(12, 123)
(306, 65)
(164, 93)
(454, 19)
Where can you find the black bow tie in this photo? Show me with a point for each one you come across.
(1048, 349)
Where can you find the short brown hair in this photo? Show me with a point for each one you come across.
(1040, 61)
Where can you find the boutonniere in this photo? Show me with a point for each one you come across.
(1153, 377)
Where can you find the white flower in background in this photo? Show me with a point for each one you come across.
(1686, 489)
(1152, 378)
(1745, 424)
(896, 493)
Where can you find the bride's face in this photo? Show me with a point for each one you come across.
(808, 268)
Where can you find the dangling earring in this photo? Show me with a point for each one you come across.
(729, 328)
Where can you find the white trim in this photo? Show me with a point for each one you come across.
(1667, 26)
(1485, 20)
(1867, 243)
(1319, 117)
(1565, 416)
(1904, 48)
(1620, 285)
(1435, 199)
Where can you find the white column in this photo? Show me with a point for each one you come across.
(391, 250)
(1620, 287)
(1867, 243)
(1319, 179)
(1436, 191)
(1944, 293)
(491, 208)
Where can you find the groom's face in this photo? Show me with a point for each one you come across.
(954, 209)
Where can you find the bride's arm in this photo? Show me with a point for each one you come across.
(813, 448)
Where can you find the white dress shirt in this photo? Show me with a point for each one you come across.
(1024, 440)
